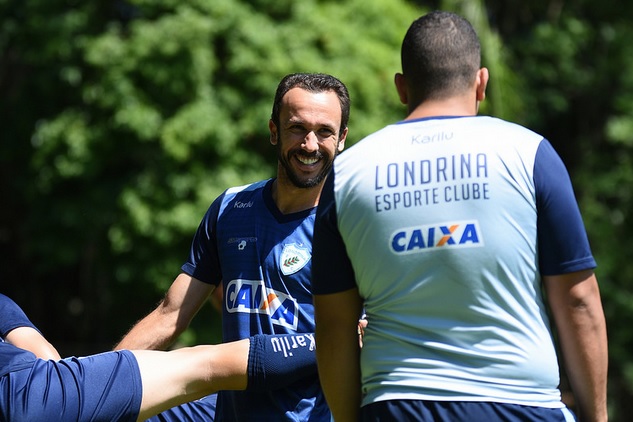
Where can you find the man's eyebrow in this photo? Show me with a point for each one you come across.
(297, 121)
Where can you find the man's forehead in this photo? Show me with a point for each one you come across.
(298, 100)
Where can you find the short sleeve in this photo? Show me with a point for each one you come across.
(12, 316)
(562, 239)
(203, 262)
(332, 270)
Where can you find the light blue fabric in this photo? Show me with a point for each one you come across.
(436, 222)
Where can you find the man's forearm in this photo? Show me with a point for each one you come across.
(30, 339)
(584, 347)
(150, 333)
(172, 316)
(577, 309)
(339, 372)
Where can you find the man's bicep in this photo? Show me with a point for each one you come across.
(343, 307)
(338, 349)
(570, 289)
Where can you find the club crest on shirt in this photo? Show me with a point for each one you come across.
(293, 258)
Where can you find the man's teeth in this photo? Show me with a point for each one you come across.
(308, 160)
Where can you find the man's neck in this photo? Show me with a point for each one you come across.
(454, 106)
(290, 199)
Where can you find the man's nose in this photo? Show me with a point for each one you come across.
(310, 142)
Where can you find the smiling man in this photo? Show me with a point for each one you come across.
(310, 137)
(255, 242)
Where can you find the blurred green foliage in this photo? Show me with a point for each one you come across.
(123, 120)
(127, 118)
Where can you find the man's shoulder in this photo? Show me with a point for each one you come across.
(243, 198)
(494, 123)
(248, 188)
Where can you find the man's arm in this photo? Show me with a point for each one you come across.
(338, 352)
(172, 316)
(16, 328)
(178, 376)
(574, 299)
(30, 339)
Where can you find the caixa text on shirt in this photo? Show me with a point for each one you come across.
(455, 234)
(253, 297)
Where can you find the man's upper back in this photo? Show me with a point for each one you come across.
(445, 222)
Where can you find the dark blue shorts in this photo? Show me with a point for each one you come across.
(104, 387)
(457, 411)
(195, 411)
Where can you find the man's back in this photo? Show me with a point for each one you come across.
(442, 214)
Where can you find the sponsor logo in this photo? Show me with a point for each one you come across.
(241, 242)
(239, 204)
(253, 297)
(293, 258)
(435, 137)
(287, 344)
(458, 234)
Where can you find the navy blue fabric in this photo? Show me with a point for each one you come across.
(560, 251)
(263, 259)
(11, 316)
(427, 411)
(195, 411)
(104, 387)
(328, 247)
(277, 360)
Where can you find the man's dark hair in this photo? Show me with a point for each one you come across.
(312, 82)
(440, 56)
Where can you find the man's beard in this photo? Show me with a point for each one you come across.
(294, 178)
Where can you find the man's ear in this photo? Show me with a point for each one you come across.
(482, 83)
(341, 140)
(273, 132)
(401, 87)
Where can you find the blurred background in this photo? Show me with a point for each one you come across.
(120, 122)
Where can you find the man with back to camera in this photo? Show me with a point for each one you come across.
(256, 241)
(459, 235)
